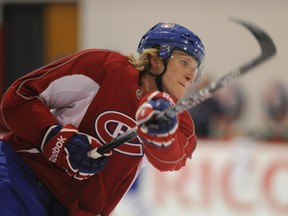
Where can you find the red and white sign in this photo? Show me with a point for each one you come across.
(239, 177)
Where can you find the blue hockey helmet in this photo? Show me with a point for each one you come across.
(168, 37)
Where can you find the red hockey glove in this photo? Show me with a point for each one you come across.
(157, 131)
(69, 149)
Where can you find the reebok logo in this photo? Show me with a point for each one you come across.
(56, 149)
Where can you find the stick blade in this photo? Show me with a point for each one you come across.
(268, 48)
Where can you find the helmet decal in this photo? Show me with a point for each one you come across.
(167, 25)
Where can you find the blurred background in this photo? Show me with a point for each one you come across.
(240, 166)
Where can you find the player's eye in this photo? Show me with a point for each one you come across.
(184, 62)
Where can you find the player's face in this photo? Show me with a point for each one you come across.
(181, 70)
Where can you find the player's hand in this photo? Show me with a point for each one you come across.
(69, 149)
(157, 131)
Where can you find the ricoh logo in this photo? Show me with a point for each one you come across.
(56, 149)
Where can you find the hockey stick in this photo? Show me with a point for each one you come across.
(268, 50)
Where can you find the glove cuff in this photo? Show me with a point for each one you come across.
(54, 130)
(157, 95)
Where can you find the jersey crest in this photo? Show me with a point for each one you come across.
(110, 124)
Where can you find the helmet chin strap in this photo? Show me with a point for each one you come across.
(158, 78)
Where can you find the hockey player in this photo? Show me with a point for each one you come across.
(58, 113)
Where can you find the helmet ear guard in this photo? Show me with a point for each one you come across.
(165, 51)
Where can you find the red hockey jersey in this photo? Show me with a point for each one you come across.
(96, 91)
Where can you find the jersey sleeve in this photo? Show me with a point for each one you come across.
(175, 155)
(27, 106)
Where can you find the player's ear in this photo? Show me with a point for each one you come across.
(156, 64)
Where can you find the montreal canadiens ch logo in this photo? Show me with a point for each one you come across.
(111, 124)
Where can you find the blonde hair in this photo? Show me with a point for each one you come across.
(142, 63)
